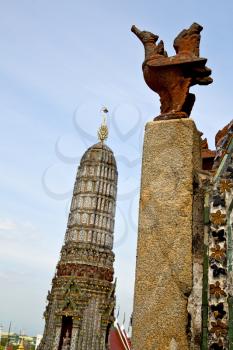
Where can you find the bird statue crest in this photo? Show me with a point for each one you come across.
(171, 77)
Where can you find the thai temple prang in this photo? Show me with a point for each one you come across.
(81, 303)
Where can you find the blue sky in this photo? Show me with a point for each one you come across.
(61, 61)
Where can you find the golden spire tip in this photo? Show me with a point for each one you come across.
(103, 129)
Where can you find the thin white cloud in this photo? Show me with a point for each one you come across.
(7, 224)
(23, 243)
(19, 230)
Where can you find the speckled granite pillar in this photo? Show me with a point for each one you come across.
(171, 156)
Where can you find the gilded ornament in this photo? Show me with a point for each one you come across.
(216, 290)
(218, 218)
(103, 130)
(225, 186)
(219, 253)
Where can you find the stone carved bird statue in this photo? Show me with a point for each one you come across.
(171, 77)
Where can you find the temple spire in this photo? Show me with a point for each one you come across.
(80, 309)
(103, 129)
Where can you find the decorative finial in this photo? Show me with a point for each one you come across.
(103, 130)
(21, 345)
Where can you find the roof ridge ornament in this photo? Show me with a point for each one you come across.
(103, 129)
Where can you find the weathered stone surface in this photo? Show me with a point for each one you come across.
(171, 156)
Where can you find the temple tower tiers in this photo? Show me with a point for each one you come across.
(82, 299)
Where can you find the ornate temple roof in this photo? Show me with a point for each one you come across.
(118, 338)
(93, 154)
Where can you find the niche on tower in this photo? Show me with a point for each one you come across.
(66, 332)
